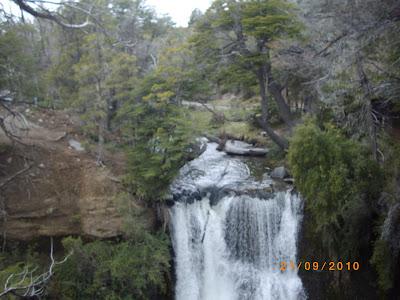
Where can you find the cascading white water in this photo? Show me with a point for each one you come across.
(229, 236)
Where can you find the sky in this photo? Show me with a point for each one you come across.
(179, 10)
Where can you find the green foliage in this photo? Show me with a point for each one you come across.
(105, 270)
(105, 80)
(391, 165)
(137, 220)
(339, 180)
(234, 41)
(235, 78)
(97, 69)
(180, 73)
(381, 260)
(18, 62)
(160, 148)
(161, 136)
(269, 20)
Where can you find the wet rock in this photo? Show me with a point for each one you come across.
(6, 95)
(289, 180)
(279, 173)
(197, 149)
(186, 195)
(265, 194)
(214, 193)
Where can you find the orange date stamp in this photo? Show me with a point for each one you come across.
(317, 266)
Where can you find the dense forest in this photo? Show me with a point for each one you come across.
(316, 82)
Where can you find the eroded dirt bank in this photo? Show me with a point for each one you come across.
(48, 188)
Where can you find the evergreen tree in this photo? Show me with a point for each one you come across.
(162, 137)
(19, 63)
(243, 33)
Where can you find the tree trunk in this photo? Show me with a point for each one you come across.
(261, 76)
(280, 141)
(276, 91)
(111, 107)
(370, 123)
(101, 121)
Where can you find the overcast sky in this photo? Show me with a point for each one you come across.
(179, 10)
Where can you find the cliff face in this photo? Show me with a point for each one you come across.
(48, 188)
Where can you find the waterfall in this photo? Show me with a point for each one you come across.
(230, 235)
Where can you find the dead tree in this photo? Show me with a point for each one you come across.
(27, 285)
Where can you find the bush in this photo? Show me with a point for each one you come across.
(338, 180)
(107, 270)
(381, 259)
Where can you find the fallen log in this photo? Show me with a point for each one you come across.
(244, 149)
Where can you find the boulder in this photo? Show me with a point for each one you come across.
(76, 145)
(279, 173)
(241, 148)
(197, 148)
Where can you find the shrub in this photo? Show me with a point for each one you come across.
(381, 259)
(338, 179)
(106, 270)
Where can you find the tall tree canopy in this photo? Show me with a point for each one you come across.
(243, 33)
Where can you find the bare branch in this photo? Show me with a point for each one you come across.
(37, 284)
(14, 176)
(8, 131)
(331, 43)
(45, 14)
(389, 74)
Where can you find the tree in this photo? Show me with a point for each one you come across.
(158, 129)
(354, 50)
(18, 63)
(243, 33)
(195, 16)
(161, 138)
(105, 78)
